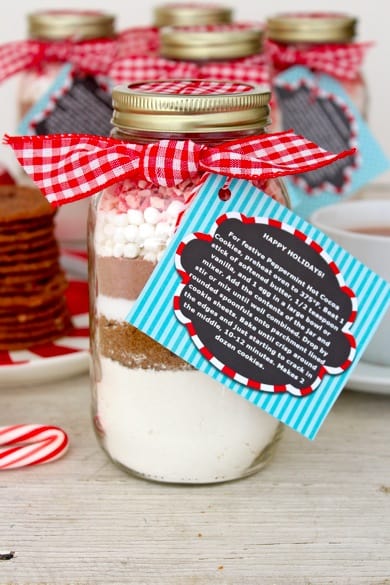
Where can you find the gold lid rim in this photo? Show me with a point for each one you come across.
(183, 113)
(331, 27)
(176, 14)
(185, 43)
(63, 24)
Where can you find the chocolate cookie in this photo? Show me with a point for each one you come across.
(21, 204)
(33, 309)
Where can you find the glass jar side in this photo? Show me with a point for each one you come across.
(154, 414)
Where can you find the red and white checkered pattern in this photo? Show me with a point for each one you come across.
(27, 445)
(92, 56)
(68, 167)
(140, 40)
(138, 67)
(191, 87)
(343, 61)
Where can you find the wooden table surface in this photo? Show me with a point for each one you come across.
(319, 514)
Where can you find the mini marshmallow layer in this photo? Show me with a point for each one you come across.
(137, 219)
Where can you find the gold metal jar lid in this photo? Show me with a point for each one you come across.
(314, 27)
(64, 24)
(190, 105)
(189, 14)
(229, 41)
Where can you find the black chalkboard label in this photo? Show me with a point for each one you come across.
(265, 304)
(84, 108)
(325, 120)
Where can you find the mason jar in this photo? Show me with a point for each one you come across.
(190, 14)
(224, 51)
(55, 26)
(154, 414)
(306, 31)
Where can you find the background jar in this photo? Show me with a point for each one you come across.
(304, 31)
(190, 14)
(232, 50)
(154, 414)
(54, 26)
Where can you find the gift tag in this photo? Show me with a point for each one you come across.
(316, 106)
(254, 296)
(73, 103)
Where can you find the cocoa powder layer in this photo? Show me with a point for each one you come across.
(130, 347)
(122, 277)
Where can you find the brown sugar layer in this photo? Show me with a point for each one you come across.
(130, 347)
(20, 203)
(122, 277)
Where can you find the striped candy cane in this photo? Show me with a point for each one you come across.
(27, 445)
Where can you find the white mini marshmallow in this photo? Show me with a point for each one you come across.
(146, 230)
(107, 250)
(151, 215)
(174, 209)
(131, 233)
(121, 220)
(131, 250)
(150, 257)
(109, 229)
(152, 245)
(119, 236)
(164, 229)
(135, 217)
(118, 250)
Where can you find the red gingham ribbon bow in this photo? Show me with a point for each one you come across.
(340, 60)
(93, 57)
(138, 67)
(67, 167)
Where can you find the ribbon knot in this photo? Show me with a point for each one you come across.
(67, 167)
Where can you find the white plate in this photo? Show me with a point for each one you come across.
(67, 356)
(370, 378)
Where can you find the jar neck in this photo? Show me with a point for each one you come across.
(209, 138)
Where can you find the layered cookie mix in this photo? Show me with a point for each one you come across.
(33, 310)
(146, 396)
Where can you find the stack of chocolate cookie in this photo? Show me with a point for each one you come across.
(33, 308)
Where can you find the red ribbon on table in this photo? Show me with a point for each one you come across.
(145, 66)
(67, 167)
(343, 61)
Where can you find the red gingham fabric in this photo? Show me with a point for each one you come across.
(67, 167)
(343, 61)
(143, 62)
(252, 69)
(191, 87)
(93, 56)
(140, 40)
